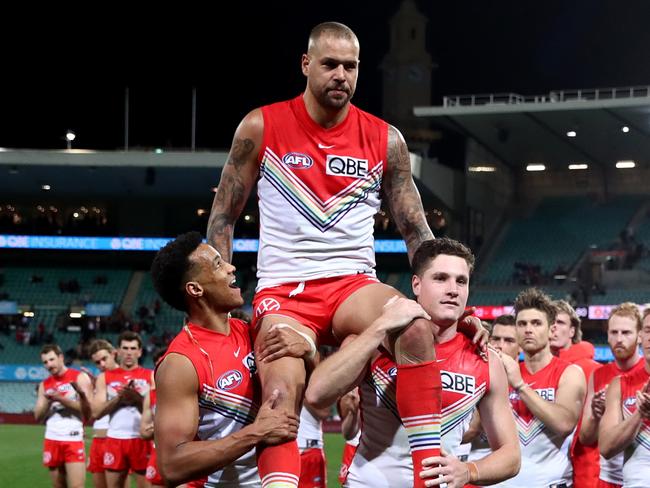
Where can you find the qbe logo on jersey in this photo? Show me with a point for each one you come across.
(229, 380)
(346, 166)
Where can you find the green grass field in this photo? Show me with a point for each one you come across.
(21, 453)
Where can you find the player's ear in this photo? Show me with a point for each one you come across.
(193, 289)
(304, 64)
(415, 285)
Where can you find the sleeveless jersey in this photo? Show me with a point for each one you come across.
(636, 470)
(226, 395)
(383, 457)
(318, 194)
(309, 429)
(611, 470)
(63, 424)
(544, 454)
(124, 422)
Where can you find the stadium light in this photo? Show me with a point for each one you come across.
(625, 129)
(573, 166)
(571, 133)
(481, 169)
(69, 137)
(535, 167)
(625, 164)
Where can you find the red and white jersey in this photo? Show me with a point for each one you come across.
(63, 424)
(544, 454)
(102, 422)
(383, 457)
(227, 396)
(611, 470)
(125, 421)
(318, 194)
(636, 470)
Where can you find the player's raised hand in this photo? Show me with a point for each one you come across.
(512, 370)
(399, 312)
(275, 425)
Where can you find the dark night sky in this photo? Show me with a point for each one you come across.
(59, 73)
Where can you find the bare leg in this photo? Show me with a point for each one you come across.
(116, 479)
(99, 480)
(281, 463)
(76, 474)
(57, 475)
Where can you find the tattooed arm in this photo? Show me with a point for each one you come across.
(237, 180)
(403, 196)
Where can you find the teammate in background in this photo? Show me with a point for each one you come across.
(104, 356)
(348, 409)
(503, 338)
(63, 404)
(623, 329)
(442, 269)
(152, 473)
(326, 164)
(625, 424)
(207, 420)
(546, 396)
(119, 393)
(566, 343)
(313, 465)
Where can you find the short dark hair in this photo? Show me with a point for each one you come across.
(129, 335)
(505, 319)
(51, 348)
(170, 266)
(429, 250)
(335, 29)
(100, 345)
(158, 353)
(536, 299)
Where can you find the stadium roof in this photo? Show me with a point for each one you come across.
(557, 129)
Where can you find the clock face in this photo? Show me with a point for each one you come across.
(415, 73)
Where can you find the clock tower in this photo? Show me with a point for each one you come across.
(407, 69)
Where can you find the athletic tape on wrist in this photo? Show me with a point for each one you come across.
(309, 340)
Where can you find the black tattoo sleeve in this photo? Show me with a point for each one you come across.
(237, 179)
(402, 195)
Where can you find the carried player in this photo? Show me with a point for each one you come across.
(322, 167)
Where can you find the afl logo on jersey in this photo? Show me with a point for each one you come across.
(298, 160)
(629, 401)
(229, 380)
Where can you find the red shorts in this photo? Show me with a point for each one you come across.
(312, 469)
(313, 307)
(348, 455)
(124, 454)
(153, 473)
(607, 484)
(96, 455)
(58, 453)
